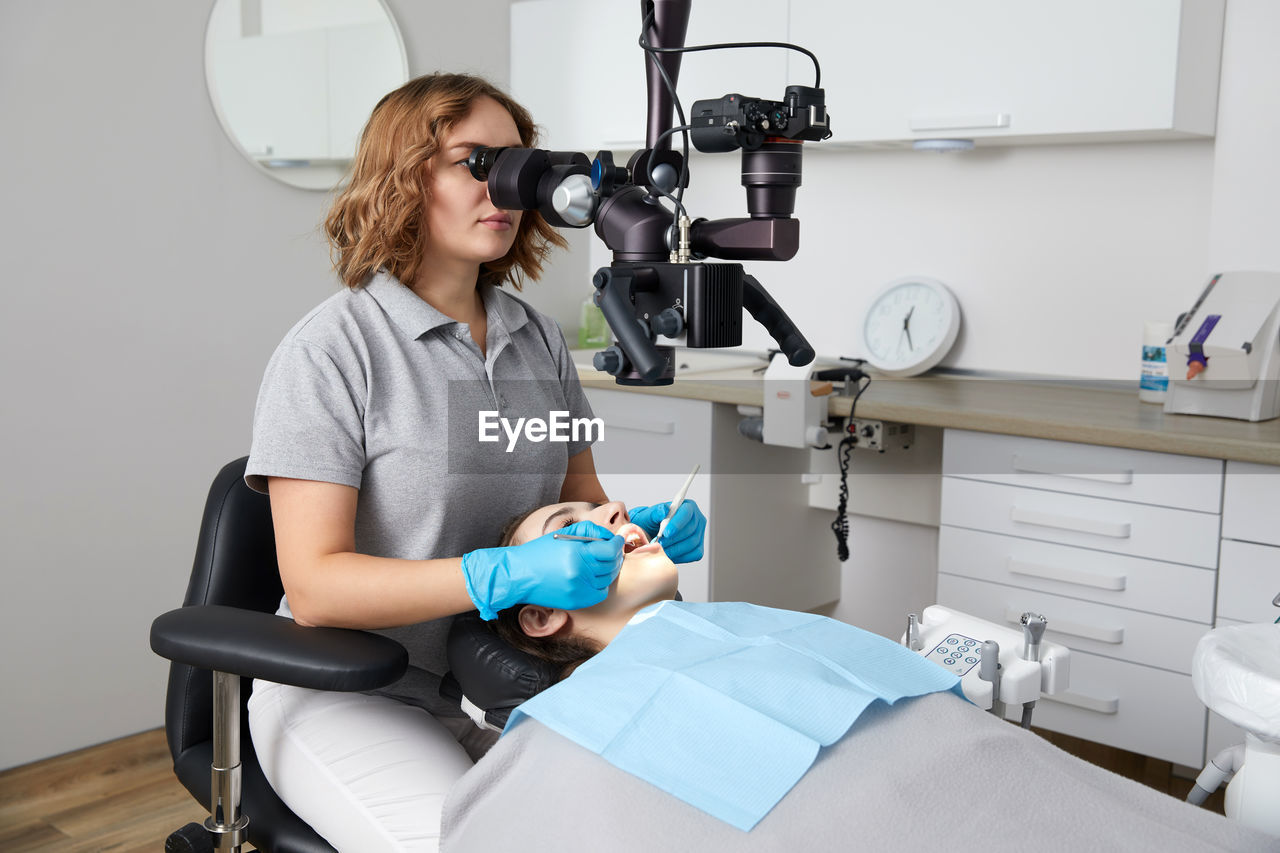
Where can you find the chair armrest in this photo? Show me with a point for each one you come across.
(263, 645)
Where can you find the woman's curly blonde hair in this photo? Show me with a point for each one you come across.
(377, 221)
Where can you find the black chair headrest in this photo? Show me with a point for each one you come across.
(493, 676)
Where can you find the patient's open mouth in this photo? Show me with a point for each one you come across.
(633, 537)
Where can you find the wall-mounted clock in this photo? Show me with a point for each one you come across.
(910, 326)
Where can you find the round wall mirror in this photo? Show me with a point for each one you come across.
(294, 81)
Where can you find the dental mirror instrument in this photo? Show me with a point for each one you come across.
(676, 501)
(580, 538)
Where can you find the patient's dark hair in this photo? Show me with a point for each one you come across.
(564, 653)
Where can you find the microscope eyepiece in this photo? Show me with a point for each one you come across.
(482, 160)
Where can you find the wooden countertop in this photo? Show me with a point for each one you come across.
(1064, 411)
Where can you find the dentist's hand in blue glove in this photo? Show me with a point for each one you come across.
(682, 540)
(560, 573)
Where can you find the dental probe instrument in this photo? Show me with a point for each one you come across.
(676, 501)
(580, 538)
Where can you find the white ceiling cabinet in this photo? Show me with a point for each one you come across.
(993, 71)
(1012, 71)
(578, 67)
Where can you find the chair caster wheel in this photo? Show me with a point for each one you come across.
(192, 838)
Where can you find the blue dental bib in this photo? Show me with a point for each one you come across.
(726, 705)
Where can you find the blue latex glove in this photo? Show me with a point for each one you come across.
(682, 540)
(550, 572)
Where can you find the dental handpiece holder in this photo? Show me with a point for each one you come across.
(1025, 667)
(657, 288)
(1224, 357)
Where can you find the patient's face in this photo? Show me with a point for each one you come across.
(647, 575)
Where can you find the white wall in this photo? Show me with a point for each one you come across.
(152, 271)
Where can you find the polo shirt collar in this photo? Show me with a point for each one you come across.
(411, 313)
(415, 316)
(509, 310)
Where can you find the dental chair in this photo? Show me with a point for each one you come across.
(227, 630)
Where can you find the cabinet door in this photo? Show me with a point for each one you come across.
(1249, 582)
(919, 69)
(578, 67)
(1250, 497)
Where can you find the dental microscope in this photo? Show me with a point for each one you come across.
(657, 285)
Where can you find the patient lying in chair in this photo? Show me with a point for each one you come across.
(931, 769)
(567, 638)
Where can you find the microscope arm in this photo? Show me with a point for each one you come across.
(743, 239)
(615, 295)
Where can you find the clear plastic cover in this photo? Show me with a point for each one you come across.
(1236, 673)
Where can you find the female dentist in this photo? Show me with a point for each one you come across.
(365, 437)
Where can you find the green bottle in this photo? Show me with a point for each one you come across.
(593, 331)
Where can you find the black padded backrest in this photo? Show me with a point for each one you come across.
(235, 565)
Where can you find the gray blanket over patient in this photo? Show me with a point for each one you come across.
(934, 772)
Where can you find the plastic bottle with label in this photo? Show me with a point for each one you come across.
(1153, 386)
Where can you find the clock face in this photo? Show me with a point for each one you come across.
(910, 326)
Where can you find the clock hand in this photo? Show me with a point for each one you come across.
(906, 327)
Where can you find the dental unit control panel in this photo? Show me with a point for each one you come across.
(998, 666)
(656, 286)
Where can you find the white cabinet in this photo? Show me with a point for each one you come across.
(576, 65)
(1117, 548)
(1004, 71)
(1249, 574)
(764, 544)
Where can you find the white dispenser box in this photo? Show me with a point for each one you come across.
(1231, 335)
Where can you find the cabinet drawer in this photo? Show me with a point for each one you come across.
(1128, 706)
(1169, 589)
(1127, 635)
(1250, 497)
(644, 434)
(1139, 530)
(1140, 476)
(1249, 582)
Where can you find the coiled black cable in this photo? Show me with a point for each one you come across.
(840, 527)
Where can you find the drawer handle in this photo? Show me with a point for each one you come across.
(958, 122)
(1072, 576)
(1089, 703)
(1114, 636)
(658, 427)
(1113, 529)
(1035, 466)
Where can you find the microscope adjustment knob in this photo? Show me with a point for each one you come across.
(608, 361)
(574, 200)
(668, 322)
(605, 176)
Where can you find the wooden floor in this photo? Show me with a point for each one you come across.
(122, 796)
(119, 796)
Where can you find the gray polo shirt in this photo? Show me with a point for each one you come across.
(378, 390)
